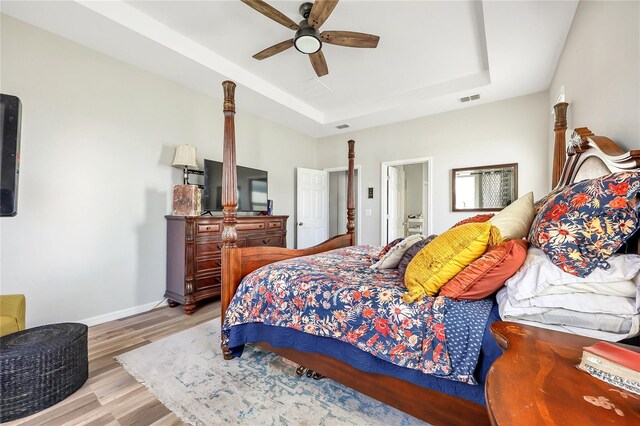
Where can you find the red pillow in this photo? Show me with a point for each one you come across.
(488, 273)
(479, 218)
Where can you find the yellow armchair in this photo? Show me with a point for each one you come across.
(12, 312)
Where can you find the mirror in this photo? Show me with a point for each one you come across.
(484, 188)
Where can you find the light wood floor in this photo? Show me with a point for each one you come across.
(111, 396)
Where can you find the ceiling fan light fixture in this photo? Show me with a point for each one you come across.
(307, 39)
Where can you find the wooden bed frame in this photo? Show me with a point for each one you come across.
(423, 403)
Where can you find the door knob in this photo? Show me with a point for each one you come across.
(300, 224)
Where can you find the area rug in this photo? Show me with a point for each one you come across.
(187, 373)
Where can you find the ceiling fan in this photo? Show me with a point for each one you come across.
(308, 39)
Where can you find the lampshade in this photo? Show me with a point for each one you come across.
(185, 157)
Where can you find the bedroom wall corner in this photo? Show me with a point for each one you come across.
(600, 70)
(98, 139)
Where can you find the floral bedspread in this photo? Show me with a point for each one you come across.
(336, 294)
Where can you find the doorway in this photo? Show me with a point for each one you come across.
(338, 200)
(405, 198)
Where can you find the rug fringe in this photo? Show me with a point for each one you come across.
(164, 400)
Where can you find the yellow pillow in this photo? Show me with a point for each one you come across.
(445, 256)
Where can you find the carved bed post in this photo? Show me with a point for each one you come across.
(351, 210)
(229, 200)
(560, 147)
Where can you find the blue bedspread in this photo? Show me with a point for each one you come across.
(337, 297)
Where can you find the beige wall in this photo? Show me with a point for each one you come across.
(600, 70)
(98, 138)
(510, 131)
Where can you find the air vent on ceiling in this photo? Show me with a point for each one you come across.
(469, 98)
(311, 89)
(342, 126)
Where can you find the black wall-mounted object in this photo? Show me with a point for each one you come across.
(10, 112)
(252, 188)
(370, 192)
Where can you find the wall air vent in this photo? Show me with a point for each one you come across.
(342, 126)
(469, 98)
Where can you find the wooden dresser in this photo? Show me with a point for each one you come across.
(193, 253)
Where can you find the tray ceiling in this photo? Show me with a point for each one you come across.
(430, 53)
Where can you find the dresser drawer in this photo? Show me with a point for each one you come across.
(274, 224)
(208, 283)
(208, 228)
(210, 265)
(205, 248)
(267, 240)
(251, 225)
(214, 247)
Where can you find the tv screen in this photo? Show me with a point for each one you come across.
(10, 152)
(252, 188)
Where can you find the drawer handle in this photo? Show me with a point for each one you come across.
(218, 263)
(266, 241)
(208, 228)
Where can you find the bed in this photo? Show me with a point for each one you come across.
(282, 319)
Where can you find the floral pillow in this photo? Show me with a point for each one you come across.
(386, 249)
(391, 259)
(537, 206)
(582, 226)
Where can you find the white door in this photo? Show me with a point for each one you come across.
(401, 204)
(312, 208)
(395, 203)
(392, 202)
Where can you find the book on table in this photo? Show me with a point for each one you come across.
(613, 364)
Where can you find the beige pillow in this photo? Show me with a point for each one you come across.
(391, 259)
(515, 220)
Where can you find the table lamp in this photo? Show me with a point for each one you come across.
(185, 158)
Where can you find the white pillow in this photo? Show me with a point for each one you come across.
(580, 302)
(392, 258)
(537, 273)
(515, 220)
(510, 313)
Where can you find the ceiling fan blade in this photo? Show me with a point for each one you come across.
(349, 39)
(320, 12)
(272, 13)
(275, 49)
(319, 64)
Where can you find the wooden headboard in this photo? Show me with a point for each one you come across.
(589, 156)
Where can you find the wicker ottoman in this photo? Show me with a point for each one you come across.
(40, 367)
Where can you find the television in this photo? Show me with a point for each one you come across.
(10, 111)
(252, 188)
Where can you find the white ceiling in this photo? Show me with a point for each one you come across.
(430, 53)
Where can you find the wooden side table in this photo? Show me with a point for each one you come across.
(537, 382)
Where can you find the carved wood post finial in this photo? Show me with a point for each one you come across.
(229, 178)
(229, 89)
(560, 147)
(351, 210)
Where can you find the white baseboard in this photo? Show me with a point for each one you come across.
(123, 313)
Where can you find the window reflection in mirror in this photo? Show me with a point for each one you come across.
(484, 188)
